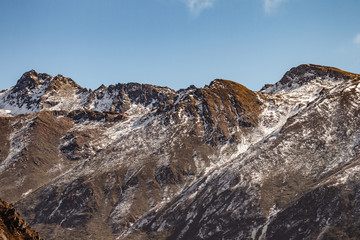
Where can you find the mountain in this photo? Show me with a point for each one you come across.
(136, 161)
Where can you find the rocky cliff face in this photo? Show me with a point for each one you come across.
(133, 161)
(12, 226)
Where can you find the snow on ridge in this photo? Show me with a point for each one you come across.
(68, 100)
(24, 101)
(102, 104)
(11, 104)
(279, 107)
(296, 82)
(52, 93)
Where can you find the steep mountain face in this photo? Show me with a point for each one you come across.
(134, 161)
(299, 182)
(12, 226)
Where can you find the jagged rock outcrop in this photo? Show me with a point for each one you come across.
(12, 226)
(136, 161)
(120, 97)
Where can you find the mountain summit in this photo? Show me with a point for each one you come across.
(136, 161)
(305, 73)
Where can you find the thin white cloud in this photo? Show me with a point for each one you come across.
(357, 39)
(196, 6)
(271, 5)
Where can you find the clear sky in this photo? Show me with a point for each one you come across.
(175, 43)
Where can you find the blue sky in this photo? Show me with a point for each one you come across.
(175, 43)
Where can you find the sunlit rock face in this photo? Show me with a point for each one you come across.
(12, 226)
(136, 161)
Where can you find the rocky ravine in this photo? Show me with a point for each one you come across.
(135, 161)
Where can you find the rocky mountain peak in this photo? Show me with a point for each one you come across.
(305, 73)
(60, 81)
(37, 91)
(218, 82)
(309, 71)
(102, 87)
(29, 80)
(234, 93)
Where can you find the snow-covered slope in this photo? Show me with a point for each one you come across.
(138, 161)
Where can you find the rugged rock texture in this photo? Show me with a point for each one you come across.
(134, 161)
(12, 226)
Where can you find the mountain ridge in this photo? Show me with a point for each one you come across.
(136, 161)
